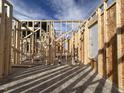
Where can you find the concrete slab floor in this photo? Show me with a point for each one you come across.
(56, 79)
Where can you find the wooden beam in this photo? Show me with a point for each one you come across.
(69, 21)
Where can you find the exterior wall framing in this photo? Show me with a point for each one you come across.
(110, 63)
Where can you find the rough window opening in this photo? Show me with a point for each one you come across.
(44, 26)
(38, 34)
(30, 24)
(24, 24)
(36, 24)
(28, 32)
(24, 34)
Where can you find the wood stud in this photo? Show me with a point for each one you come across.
(110, 25)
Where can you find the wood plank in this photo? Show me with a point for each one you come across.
(21, 66)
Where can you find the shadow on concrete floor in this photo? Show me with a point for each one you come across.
(56, 79)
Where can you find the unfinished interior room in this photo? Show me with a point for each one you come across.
(61, 46)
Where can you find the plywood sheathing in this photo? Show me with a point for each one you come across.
(120, 41)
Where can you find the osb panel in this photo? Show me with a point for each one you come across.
(112, 45)
(122, 32)
(122, 11)
(102, 50)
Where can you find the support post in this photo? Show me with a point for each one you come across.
(2, 35)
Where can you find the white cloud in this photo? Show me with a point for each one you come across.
(24, 12)
(67, 9)
(63, 9)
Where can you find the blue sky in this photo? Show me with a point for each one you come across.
(53, 9)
